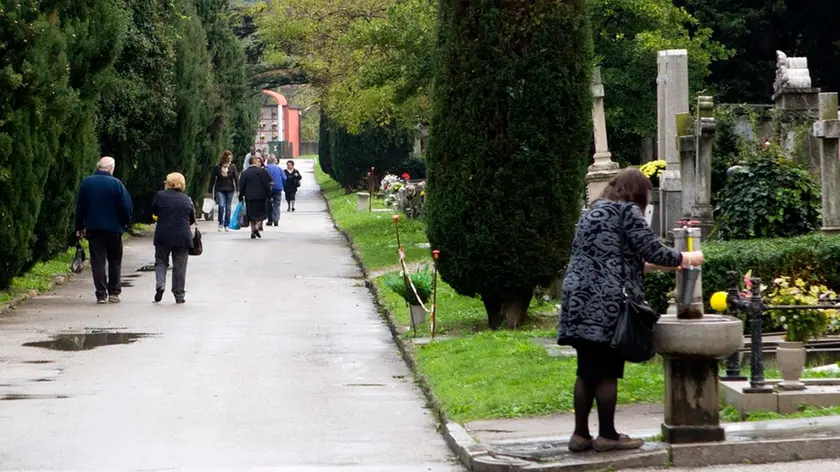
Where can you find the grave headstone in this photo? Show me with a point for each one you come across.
(798, 103)
(703, 211)
(603, 169)
(827, 131)
(672, 99)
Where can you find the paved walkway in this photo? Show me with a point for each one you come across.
(278, 361)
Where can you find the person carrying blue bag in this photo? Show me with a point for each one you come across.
(235, 216)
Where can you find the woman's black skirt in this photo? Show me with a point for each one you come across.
(598, 361)
(256, 210)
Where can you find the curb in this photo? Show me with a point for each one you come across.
(60, 279)
(57, 281)
(456, 437)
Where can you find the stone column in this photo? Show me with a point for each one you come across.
(827, 130)
(702, 210)
(672, 99)
(604, 169)
(691, 401)
(687, 148)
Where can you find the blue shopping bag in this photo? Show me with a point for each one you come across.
(234, 218)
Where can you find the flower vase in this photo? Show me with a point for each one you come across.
(790, 357)
(418, 315)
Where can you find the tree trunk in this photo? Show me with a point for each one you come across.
(508, 308)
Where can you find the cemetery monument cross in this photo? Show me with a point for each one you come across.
(604, 169)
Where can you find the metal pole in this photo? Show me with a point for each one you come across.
(756, 310)
(436, 256)
(733, 362)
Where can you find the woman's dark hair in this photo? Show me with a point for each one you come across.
(227, 156)
(630, 185)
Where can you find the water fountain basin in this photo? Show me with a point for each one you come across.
(713, 336)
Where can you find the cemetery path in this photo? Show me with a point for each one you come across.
(278, 361)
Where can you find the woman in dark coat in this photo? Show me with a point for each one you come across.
(255, 190)
(224, 180)
(293, 179)
(593, 296)
(175, 214)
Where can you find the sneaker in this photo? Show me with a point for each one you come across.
(114, 299)
(220, 228)
(227, 229)
(159, 295)
(101, 301)
(624, 443)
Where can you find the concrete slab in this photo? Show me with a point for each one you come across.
(819, 393)
(278, 360)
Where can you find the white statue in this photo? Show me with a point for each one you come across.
(791, 72)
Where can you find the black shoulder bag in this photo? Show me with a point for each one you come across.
(633, 336)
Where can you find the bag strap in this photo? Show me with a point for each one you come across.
(622, 244)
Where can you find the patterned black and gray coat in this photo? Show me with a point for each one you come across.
(592, 289)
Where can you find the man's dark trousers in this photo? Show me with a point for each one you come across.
(105, 246)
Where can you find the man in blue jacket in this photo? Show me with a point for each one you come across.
(103, 213)
(279, 179)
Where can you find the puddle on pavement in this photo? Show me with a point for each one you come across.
(87, 341)
(15, 397)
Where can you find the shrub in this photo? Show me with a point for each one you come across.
(423, 281)
(813, 258)
(800, 325)
(324, 147)
(376, 146)
(509, 145)
(769, 197)
(415, 166)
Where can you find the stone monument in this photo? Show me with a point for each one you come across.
(798, 103)
(672, 99)
(827, 131)
(705, 127)
(604, 169)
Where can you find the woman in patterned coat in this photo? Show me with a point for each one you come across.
(592, 299)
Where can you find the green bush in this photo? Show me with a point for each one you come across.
(414, 165)
(770, 197)
(423, 281)
(324, 147)
(377, 146)
(509, 146)
(813, 258)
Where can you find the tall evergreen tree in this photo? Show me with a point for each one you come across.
(35, 96)
(509, 146)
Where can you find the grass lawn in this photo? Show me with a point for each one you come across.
(481, 374)
(373, 233)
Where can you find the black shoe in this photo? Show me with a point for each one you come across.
(253, 235)
(258, 235)
(159, 295)
(293, 209)
(180, 301)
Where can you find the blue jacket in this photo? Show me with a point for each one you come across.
(103, 204)
(278, 176)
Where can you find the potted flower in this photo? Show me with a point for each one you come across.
(423, 282)
(800, 325)
(653, 170)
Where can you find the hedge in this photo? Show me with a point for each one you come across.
(814, 258)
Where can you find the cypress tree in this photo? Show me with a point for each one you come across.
(93, 31)
(509, 146)
(35, 96)
(324, 147)
(382, 147)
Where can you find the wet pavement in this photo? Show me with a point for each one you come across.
(278, 361)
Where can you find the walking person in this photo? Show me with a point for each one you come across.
(103, 213)
(173, 235)
(255, 190)
(279, 179)
(293, 179)
(593, 297)
(247, 162)
(225, 181)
